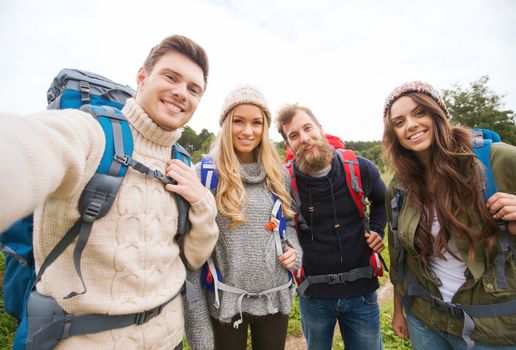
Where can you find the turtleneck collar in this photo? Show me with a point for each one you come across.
(252, 172)
(144, 124)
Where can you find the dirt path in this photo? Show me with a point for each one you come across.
(299, 343)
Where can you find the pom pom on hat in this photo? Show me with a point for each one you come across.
(245, 94)
(415, 86)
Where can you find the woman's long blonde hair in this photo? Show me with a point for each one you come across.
(231, 197)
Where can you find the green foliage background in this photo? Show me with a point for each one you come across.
(477, 106)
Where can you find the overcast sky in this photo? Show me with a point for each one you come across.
(340, 58)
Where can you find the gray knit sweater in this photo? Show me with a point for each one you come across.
(246, 257)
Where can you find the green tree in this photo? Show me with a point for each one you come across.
(196, 145)
(371, 150)
(205, 135)
(479, 107)
(280, 148)
(189, 139)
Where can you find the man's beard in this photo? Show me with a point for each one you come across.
(317, 159)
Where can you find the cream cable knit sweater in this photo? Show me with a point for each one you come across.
(131, 262)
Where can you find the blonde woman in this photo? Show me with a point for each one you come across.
(257, 247)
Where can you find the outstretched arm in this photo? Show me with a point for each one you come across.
(53, 152)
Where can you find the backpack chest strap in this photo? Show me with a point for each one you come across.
(337, 278)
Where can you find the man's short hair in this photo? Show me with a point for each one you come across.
(287, 112)
(180, 44)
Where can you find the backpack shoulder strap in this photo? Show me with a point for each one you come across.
(118, 137)
(100, 192)
(183, 206)
(294, 192)
(482, 141)
(396, 206)
(277, 213)
(482, 150)
(353, 178)
(277, 225)
(290, 168)
(179, 152)
(209, 177)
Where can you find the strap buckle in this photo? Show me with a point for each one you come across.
(450, 308)
(253, 295)
(334, 279)
(124, 160)
(165, 179)
(145, 316)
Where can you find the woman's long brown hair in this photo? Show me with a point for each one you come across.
(457, 199)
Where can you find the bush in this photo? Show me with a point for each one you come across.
(8, 323)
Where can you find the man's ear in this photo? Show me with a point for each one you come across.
(140, 77)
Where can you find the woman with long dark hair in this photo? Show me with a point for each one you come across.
(452, 250)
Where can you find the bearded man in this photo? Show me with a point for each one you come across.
(334, 240)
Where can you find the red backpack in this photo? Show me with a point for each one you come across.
(354, 183)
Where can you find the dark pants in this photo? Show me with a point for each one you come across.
(267, 333)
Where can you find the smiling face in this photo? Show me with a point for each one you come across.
(302, 131)
(413, 126)
(171, 91)
(246, 131)
(305, 138)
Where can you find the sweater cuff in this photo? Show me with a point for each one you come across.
(206, 203)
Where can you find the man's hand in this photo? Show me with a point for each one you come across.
(503, 207)
(288, 259)
(188, 184)
(374, 241)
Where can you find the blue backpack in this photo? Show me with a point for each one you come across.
(482, 141)
(103, 99)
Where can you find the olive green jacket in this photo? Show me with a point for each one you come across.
(481, 286)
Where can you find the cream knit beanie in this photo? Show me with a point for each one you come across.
(245, 94)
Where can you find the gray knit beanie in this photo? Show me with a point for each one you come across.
(245, 94)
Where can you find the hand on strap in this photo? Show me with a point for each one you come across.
(188, 184)
(503, 207)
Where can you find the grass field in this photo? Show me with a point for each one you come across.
(8, 323)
